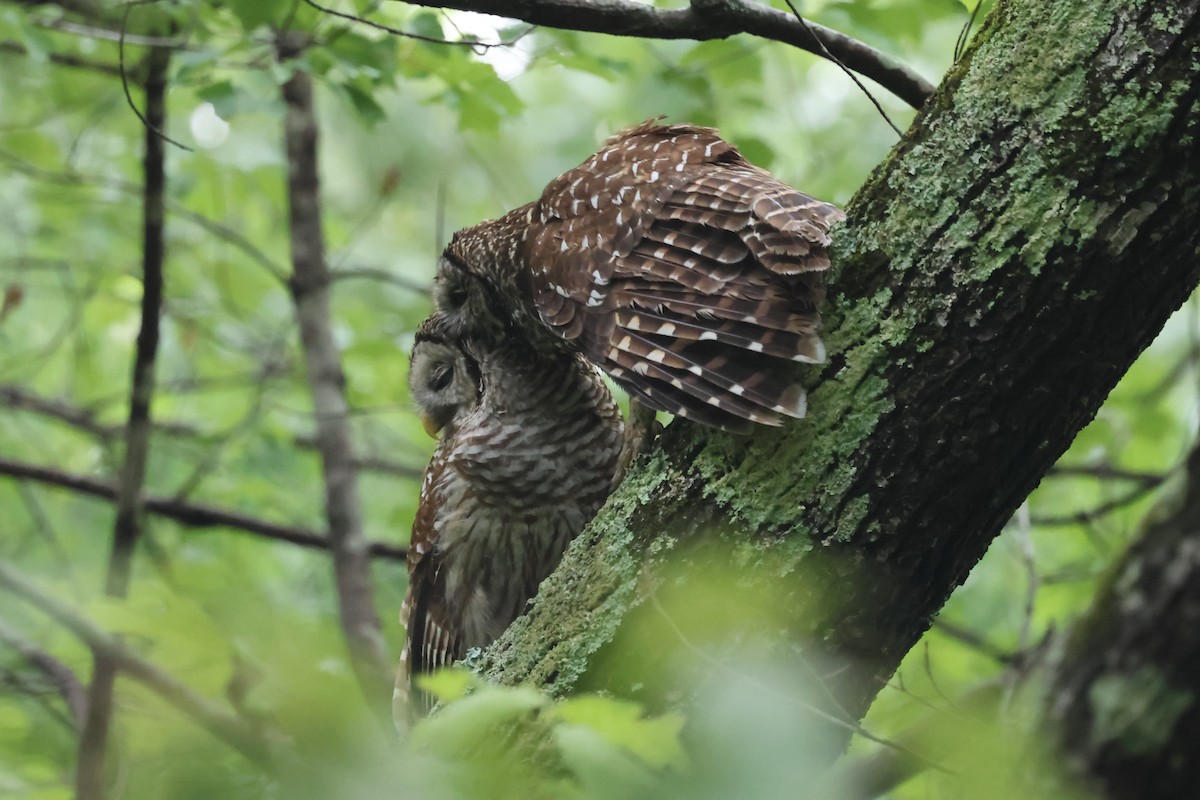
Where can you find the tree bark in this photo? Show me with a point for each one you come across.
(327, 383)
(1127, 693)
(996, 276)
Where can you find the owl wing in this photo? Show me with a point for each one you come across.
(686, 273)
(433, 636)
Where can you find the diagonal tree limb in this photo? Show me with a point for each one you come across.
(223, 724)
(704, 20)
(996, 276)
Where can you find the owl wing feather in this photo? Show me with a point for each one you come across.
(684, 271)
(433, 635)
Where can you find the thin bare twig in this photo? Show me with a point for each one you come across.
(472, 43)
(218, 229)
(92, 32)
(64, 679)
(1029, 563)
(156, 128)
(65, 60)
(191, 514)
(84, 419)
(1106, 472)
(973, 640)
(824, 51)
(380, 275)
(1090, 515)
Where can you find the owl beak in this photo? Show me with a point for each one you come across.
(431, 426)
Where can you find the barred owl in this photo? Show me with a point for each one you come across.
(668, 260)
(529, 442)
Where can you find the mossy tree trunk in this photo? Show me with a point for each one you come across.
(997, 275)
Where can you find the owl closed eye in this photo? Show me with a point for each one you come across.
(527, 453)
(443, 382)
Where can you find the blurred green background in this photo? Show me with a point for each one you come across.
(418, 139)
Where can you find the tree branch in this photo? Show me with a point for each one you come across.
(1127, 693)
(64, 680)
(196, 515)
(310, 283)
(65, 60)
(221, 723)
(218, 229)
(93, 741)
(704, 20)
(89, 9)
(995, 277)
(84, 419)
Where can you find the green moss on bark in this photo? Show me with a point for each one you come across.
(970, 335)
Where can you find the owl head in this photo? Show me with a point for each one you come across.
(443, 379)
(464, 299)
(481, 277)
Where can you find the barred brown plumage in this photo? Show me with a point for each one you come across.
(528, 449)
(679, 268)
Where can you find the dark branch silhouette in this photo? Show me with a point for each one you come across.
(196, 515)
(127, 528)
(84, 419)
(704, 20)
(65, 681)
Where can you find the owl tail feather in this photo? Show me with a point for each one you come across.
(707, 381)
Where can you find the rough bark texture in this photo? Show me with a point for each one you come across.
(1127, 692)
(996, 276)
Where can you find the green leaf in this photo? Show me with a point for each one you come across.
(375, 58)
(363, 102)
(223, 96)
(603, 770)
(427, 24)
(653, 740)
(254, 13)
(448, 685)
(463, 726)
